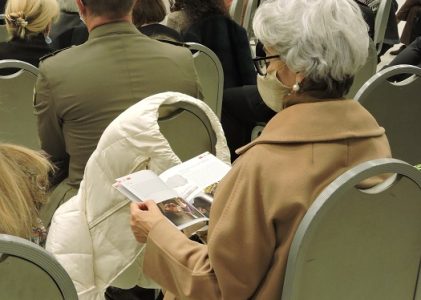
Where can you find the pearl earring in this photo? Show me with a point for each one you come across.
(296, 87)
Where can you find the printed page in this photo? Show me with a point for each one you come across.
(197, 175)
(146, 185)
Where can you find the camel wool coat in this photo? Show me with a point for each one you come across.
(261, 201)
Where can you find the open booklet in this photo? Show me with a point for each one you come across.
(183, 193)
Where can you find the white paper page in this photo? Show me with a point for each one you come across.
(146, 185)
(194, 175)
(125, 192)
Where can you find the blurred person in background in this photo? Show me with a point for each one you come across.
(147, 15)
(69, 30)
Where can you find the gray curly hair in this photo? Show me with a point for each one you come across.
(325, 40)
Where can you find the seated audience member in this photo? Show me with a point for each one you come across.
(80, 90)
(411, 55)
(146, 17)
(23, 187)
(207, 22)
(242, 109)
(391, 36)
(28, 22)
(411, 13)
(69, 30)
(314, 48)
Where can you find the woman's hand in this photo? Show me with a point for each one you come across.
(144, 216)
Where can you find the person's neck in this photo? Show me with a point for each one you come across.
(95, 21)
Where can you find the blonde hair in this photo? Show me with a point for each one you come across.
(23, 186)
(28, 17)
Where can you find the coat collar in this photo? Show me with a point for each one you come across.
(318, 122)
(120, 27)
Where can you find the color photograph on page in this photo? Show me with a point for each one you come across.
(184, 193)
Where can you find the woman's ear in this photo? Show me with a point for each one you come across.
(299, 77)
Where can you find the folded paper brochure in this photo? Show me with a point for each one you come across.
(183, 193)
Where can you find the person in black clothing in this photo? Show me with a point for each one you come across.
(28, 22)
(69, 30)
(2, 6)
(411, 55)
(410, 12)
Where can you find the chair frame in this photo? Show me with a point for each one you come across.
(236, 10)
(380, 23)
(384, 74)
(32, 72)
(323, 202)
(248, 17)
(215, 106)
(180, 106)
(21, 248)
(18, 64)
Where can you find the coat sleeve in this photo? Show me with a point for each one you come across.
(237, 258)
(50, 128)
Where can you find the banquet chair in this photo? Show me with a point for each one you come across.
(18, 123)
(360, 243)
(236, 11)
(366, 71)
(380, 23)
(248, 17)
(30, 272)
(183, 117)
(3, 31)
(211, 75)
(396, 107)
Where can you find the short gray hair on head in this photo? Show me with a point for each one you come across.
(325, 40)
(68, 5)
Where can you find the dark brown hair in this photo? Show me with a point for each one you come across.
(197, 10)
(148, 11)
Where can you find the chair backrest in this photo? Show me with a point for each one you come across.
(211, 75)
(360, 244)
(4, 35)
(396, 107)
(236, 10)
(187, 129)
(366, 71)
(380, 23)
(18, 123)
(29, 272)
(248, 16)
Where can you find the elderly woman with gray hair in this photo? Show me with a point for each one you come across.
(314, 48)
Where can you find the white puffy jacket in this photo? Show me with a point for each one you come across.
(90, 234)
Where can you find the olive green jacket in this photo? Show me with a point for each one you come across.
(82, 89)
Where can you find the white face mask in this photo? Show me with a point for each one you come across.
(272, 91)
(82, 19)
